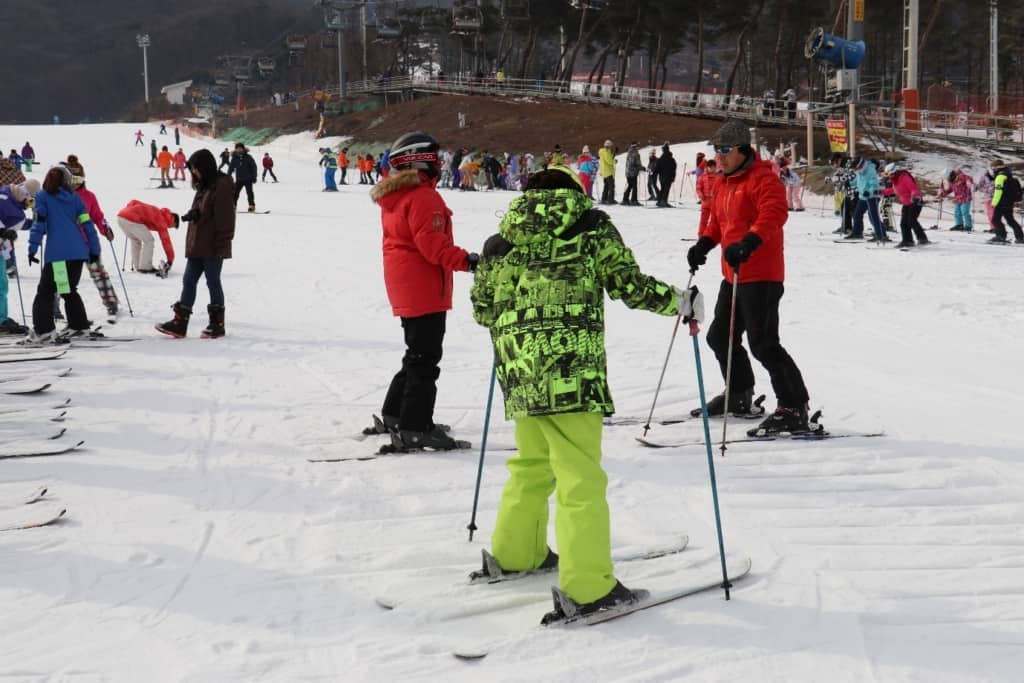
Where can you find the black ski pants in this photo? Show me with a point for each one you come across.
(247, 184)
(413, 389)
(608, 190)
(757, 314)
(664, 185)
(1005, 212)
(630, 196)
(910, 226)
(270, 170)
(43, 304)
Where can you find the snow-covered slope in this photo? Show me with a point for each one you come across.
(200, 545)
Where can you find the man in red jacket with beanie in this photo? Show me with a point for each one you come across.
(419, 258)
(748, 212)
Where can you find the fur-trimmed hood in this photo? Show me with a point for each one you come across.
(406, 179)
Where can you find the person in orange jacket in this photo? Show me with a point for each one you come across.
(139, 221)
(179, 164)
(707, 183)
(748, 211)
(163, 161)
(343, 164)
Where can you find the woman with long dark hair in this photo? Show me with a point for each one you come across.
(211, 228)
(71, 241)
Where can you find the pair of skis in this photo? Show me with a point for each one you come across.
(530, 589)
(389, 449)
(31, 511)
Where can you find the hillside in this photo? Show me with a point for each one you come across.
(78, 67)
(506, 124)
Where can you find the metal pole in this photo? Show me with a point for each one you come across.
(993, 59)
(341, 67)
(145, 70)
(362, 21)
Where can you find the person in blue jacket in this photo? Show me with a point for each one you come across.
(71, 241)
(868, 194)
(329, 161)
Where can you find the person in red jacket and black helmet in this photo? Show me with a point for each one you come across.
(419, 258)
(749, 210)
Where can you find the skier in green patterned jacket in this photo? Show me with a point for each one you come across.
(539, 289)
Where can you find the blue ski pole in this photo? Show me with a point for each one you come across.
(483, 450)
(711, 460)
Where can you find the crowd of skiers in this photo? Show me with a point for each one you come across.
(64, 222)
(870, 186)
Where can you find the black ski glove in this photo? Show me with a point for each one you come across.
(738, 252)
(191, 215)
(697, 256)
(472, 260)
(9, 234)
(918, 200)
(32, 259)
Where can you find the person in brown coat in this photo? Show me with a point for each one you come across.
(211, 228)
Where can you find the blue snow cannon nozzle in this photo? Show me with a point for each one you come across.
(839, 52)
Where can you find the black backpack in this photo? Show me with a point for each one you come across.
(1011, 189)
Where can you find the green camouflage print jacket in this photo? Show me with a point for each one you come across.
(540, 288)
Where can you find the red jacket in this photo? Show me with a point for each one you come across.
(904, 187)
(707, 184)
(753, 200)
(419, 251)
(153, 217)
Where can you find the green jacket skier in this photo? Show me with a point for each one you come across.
(539, 289)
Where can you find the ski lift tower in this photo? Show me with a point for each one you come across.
(334, 20)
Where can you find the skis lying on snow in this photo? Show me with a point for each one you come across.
(806, 436)
(35, 495)
(10, 355)
(29, 517)
(458, 596)
(8, 407)
(28, 513)
(756, 411)
(20, 375)
(12, 439)
(23, 388)
(691, 581)
(37, 448)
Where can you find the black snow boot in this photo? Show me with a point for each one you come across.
(491, 572)
(740, 402)
(215, 330)
(783, 421)
(566, 609)
(436, 439)
(178, 327)
(387, 424)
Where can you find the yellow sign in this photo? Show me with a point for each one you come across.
(858, 10)
(837, 136)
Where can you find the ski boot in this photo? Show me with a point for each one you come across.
(388, 424)
(252, 208)
(491, 572)
(740, 403)
(784, 421)
(12, 328)
(39, 339)
(178, 326)
(568, 610)
(408, 441)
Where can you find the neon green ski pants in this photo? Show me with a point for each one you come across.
(561, 454)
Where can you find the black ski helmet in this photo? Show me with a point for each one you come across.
(416, 150)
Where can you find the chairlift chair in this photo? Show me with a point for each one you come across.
(466, 19)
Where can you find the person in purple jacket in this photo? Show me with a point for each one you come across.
(28, 155)
(14, 199)
(71, 241)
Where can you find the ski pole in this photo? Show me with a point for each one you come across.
(728, 361)
(17, 278)
(119, 271)
(711, 460)
(664, 366)
(125, 258)
(483, 450)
